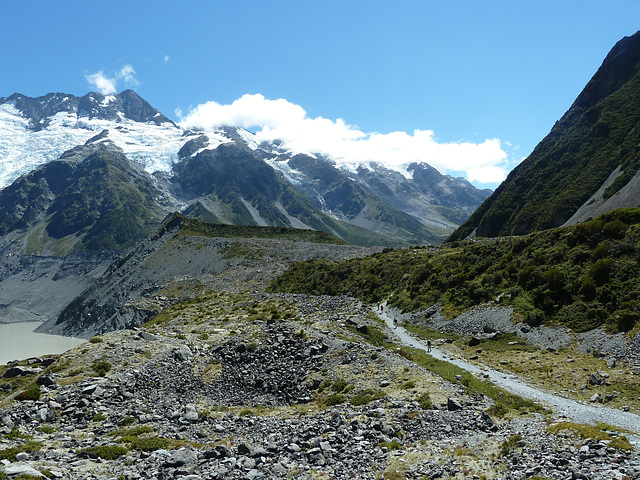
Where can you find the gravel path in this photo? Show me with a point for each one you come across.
(579, 412)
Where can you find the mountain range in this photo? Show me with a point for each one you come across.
(84, 178)
(97, 172)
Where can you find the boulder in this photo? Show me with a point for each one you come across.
(183, 353)
(474, 341)
(595, 379)
(21, 469)
(453, 405)
(182, 457)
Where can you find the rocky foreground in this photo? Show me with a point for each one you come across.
(273, 386)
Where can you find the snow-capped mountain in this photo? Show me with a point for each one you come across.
(35, 131)
(222, 175)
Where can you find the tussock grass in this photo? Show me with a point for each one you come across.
(598, 432)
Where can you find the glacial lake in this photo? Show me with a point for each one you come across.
(18, 341)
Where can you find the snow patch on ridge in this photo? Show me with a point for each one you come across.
(155, 147)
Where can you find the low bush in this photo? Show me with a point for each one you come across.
(106, 452)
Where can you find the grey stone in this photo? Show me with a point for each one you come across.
(191, 414)
(16, 470)
(453, 405)
(147, 336)
(183, 353)
(181, 457)
(596, 397)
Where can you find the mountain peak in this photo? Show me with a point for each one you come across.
(620, 65)
(115, 107)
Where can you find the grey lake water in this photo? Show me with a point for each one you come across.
(18, 341)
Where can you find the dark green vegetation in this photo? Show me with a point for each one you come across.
(191, 226)
(598, 134)
(583, 276)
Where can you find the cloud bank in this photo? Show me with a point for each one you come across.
(107, 85)
(280, 119)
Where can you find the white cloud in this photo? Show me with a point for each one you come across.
(128, 74)
(102, 83)
(280, 119)
(107, 85)
(166, 58)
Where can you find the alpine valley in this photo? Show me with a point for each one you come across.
(255, 313)
(83, 178)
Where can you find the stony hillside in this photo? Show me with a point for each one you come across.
(234, 384)
(184, 257)
(586, 166)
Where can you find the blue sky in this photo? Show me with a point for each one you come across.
(471, 85)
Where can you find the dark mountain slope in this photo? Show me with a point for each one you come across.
(92, 198)
(232, 184)
(598, 134)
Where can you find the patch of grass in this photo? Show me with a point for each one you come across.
(33, 392)
(128, 420)
(339, 385)
(509, 444)
(366, 396)
(96, 339)
(99, 417)
(507, 342)
(132, 432)
(11, 452)
(599, 432)
(150, 444)
(424, 400)
(16, 434)
(504, 401)
(392, 445)
(106, 452)
(101, 366)
(335, 399)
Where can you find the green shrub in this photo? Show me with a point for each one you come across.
(101, 367)
(33, 392)
(509, 444)
(106, 452)
(150, 444)
(424, 400)
(11, 452)
(392, 445)
(334, 399)
(339, 385)
(366, 396)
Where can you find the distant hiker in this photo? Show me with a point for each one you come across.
(381, 308)
(395, 322)
(428, 345)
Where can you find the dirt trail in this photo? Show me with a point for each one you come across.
(578, 412)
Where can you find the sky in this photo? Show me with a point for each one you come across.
(468, 86)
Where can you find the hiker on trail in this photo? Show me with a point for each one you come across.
(428, 346)
(395, 322)
(381, 308)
